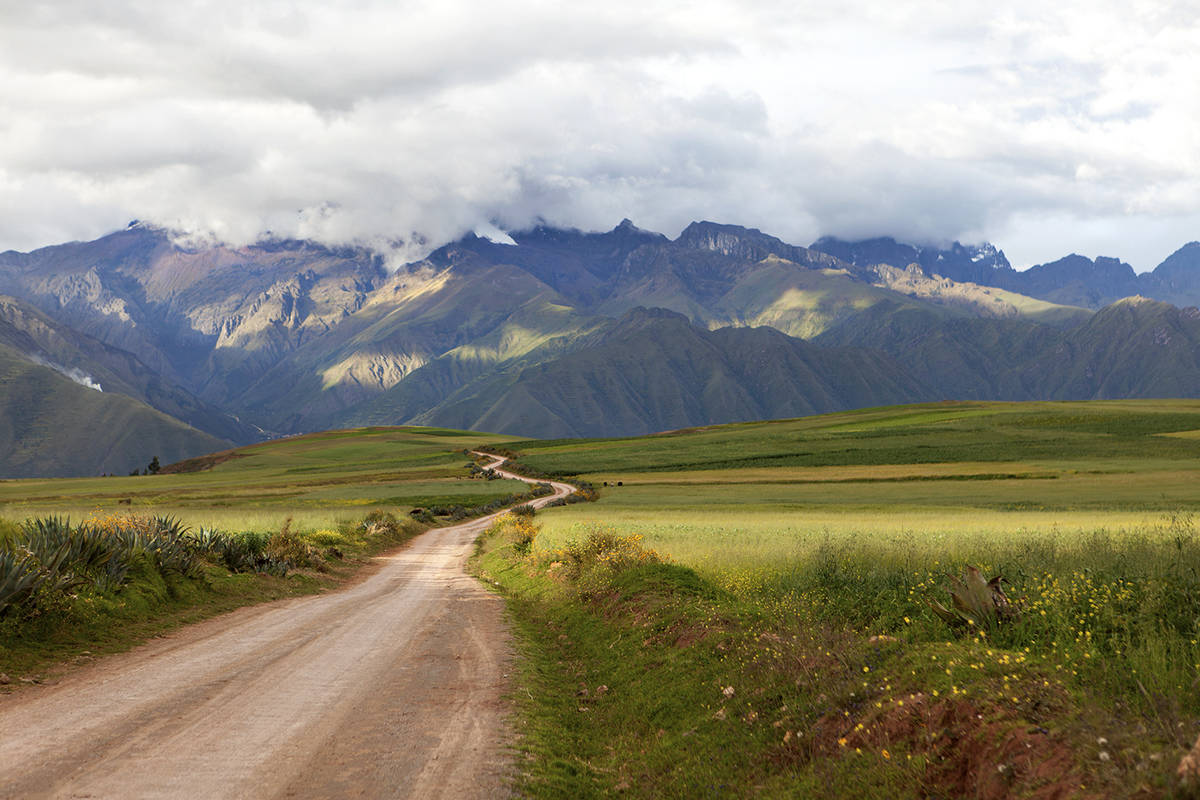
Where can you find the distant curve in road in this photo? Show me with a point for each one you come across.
(390, 687)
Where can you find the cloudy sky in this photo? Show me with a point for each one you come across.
(1044, 127)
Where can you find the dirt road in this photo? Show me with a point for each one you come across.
(391, 687)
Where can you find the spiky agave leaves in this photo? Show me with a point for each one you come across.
(20, 575)
(54, 555)
(240, 553)
(170, 546)
(165, 542)
(67, 556)
(977, 602)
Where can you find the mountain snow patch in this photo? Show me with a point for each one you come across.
(493, 234)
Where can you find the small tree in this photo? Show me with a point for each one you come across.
(153, 467)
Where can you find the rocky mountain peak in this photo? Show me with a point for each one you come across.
(975, 263)
(1181, 267)
(749, 244)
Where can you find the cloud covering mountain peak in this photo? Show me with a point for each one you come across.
(403, 126)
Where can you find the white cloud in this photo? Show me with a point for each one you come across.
(74, 373)
(381, 122)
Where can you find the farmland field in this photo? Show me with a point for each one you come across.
(851, 525)
(938, 474)
(318, 480)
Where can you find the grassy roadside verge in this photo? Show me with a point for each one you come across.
(53, 631)
(641, 678)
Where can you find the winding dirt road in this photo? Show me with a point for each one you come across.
(391, 687)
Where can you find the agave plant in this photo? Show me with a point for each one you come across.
(165, 542)
(19, 577)
(205, 540)
(976, 602)
(66, 556)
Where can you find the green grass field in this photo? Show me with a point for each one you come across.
(319, 480)
(843, 527)
(929, 471)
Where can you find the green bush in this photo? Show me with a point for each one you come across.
(289, 547)
(326, 538)
(380, 522)
(246, 552)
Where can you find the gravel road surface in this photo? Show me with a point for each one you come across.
(390, 687)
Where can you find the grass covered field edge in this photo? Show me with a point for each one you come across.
(643, 678)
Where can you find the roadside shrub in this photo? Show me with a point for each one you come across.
(287, 546)
(66, 556)
(326, 538)
(525, 510)
(380, 522)
(254, 540)
(592, 565)
(246, 552)
(516, 529)
(165, 542)
(607, 550)
(20, 575)
(386, 525)
(586, 493)
(169, 545)
(423, 515)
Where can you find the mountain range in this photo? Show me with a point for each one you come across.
(134, 345)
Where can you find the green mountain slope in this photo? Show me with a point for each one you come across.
(52, 426)
(957, 358)
(1133, 348)
(39, 337)
(653, 370)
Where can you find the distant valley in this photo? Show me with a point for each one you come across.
(131, 346)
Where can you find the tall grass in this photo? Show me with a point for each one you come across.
(1117, 610)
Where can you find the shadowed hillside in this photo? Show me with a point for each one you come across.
(51, 425)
